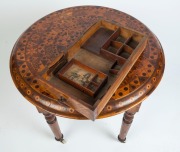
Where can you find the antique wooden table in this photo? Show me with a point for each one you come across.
(39, 46)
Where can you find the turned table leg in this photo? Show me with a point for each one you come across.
(53, 124)
(126, 123)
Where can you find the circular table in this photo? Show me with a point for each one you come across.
(42, 42)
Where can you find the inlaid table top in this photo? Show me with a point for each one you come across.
(55, 33)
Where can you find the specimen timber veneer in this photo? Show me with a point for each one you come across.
(87, 62)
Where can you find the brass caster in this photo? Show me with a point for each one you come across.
(121, 140)
(61, 139)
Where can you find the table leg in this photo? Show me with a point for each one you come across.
(53, 124)
(126, 123)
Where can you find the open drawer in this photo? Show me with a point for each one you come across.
(89, 73)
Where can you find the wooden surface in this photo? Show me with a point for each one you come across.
(39, 46)
(93, 83)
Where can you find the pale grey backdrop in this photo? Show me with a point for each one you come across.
(156, 127)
